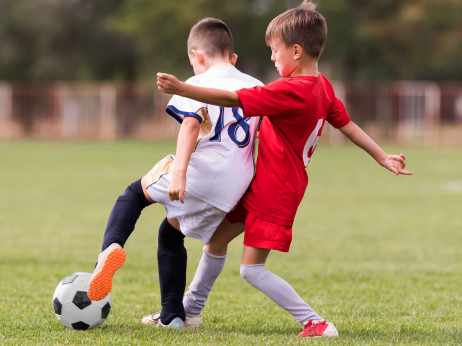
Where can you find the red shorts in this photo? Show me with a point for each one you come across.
(259, 232)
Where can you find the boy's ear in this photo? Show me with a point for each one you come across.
(234, 59)
(197, 55)
(200, 57)
(297, 51)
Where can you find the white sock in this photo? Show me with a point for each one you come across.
(210, 266)
(279, 291)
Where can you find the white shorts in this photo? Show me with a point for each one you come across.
(198, 219)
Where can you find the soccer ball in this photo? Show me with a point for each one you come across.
(72, 306)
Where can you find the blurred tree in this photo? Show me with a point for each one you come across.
(68, 39)
(393, 39)
(161, 29)
(133, 39)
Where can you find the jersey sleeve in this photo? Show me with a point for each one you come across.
(337, 115)
(271, 99)
(180, 107)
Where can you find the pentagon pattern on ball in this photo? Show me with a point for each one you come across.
(105, 310)
(80, 325)
(69, 279)
(81, 300)
(58, 306)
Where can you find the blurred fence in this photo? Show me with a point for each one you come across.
(415, 113)
(101, 111)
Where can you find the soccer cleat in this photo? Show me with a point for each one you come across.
(194, 321)
(177, 322)
(318, 328)
(152, 319)
(109, 261)
(190, 322)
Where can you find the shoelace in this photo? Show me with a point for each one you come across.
(312, 323)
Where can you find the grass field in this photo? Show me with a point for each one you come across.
(378, 255)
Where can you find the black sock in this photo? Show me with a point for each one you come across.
(171, 260)
(124, 215)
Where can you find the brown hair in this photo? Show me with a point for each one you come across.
(301, 25)
(212, 36)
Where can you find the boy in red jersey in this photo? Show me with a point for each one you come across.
(295, 109)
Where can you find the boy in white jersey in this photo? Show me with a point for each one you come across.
(212, 169)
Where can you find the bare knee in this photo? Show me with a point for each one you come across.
(217, 248)
(227, 231)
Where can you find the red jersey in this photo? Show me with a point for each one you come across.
(294, 110)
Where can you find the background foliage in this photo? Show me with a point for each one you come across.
(133, 39)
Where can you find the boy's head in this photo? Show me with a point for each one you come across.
(210, 39)
(302, 26)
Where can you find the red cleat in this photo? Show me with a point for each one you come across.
(318, 328)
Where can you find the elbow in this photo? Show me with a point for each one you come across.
(233, 100)
(191, 124)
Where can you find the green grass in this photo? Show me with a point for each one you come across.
(378, 255)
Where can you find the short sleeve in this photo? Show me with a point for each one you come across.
(337, 115)
(180, 107)
(271, 99)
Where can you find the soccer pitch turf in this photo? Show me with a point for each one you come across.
(378, 255)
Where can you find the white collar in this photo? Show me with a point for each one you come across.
(221, 64)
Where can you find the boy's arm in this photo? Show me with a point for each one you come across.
(394, 163)
(171, 85)
(187, 138)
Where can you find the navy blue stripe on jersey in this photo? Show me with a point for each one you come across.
(174, 112)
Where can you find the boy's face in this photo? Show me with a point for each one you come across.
(283, 57)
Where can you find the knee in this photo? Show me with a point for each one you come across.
(134, 192)
(244, 272)
(216, 248)
(169, 239)
(253, 273)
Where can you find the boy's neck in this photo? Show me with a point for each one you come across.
(220, 64)
(308, 68)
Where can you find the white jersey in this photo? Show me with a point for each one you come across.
(222, 165)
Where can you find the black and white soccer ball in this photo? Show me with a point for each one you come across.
(72, 306)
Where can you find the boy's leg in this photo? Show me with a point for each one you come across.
(121, 224)
(124, 215)
(171, 260)
(278, 290)
(210, 267)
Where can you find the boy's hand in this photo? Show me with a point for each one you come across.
(176, 190)
(168, 84)
(396, 164)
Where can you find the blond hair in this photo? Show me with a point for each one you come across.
(301, 25)
(212, 36)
